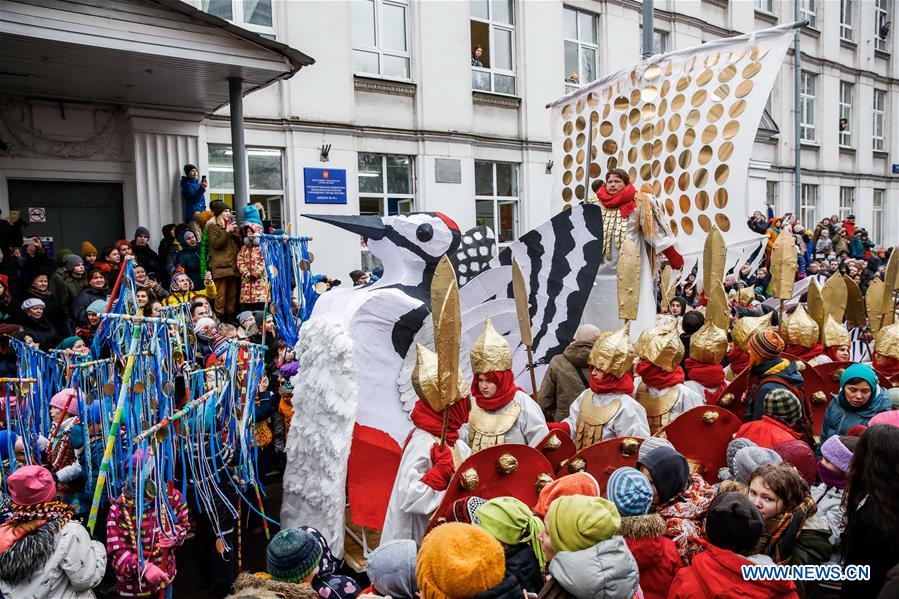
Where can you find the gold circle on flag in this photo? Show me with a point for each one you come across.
(736, 55)
(666, 87)
(673, 227)
(568, 128)
(684, 202)
(712, 59)
(632, 173)
(606, 128)
(751, 70)
(723, 222)
(704, 77)
(635, 135)
(646, 151)
(633, 116)
(580, 106)
(693, 118)
(611, 163)
(683, 182)
(721, 91)
(579, 174)
(656, 168)
(699, 97)
(567, 161)
(709, 134)
(689, 137)
(649, 93)
(609, 146)
(758, 52)
(714, 113)
(580, 141)
(682, 83)
(659, 127)
(649, 111)
(595, 170)
(721, 198)
(725, 150)
(594, 118)
(622, 122)
(565, 206)
(705, 154)
(622, 104)
(678, 102)
(606, 110)
(670, 164)
(737, 108)
(730, 129)
(657, 148)
(700, 178)
(567, 145)
(567, 177)
(579, 157)
(671, 143)
(566, 194)
(579, 192)
(669, 184)
(581, 123)
(635, 97)
(656, 188)
(704, 223)
(593, 152)
(663, 107)
(607, 92)
(744, 88)
(652, 72)
(721, 174)
(592, 100)
(690, 64)
(632, 155)
(686, 224)
(727, 73)
(669, 206)
(566, 110)
(646, 131)
(702, 200)
(668, 68)
(684, 161)
(674, 122)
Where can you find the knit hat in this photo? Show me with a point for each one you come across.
(30, 485)
(87, 248)
(202, 326)
(68, 342)
(97, 307)
(459, 560)
(217, 207)
(890, 417)
(465, 510)
(781, 403)
(576, 522)
(71, 261)
(668, 471)
(650, 444)
(177, 277)
(245, 315)
(511, 522)
(587, 332)
(750, 458)
(141, 232)
(391, 569)
(733, 447)
(838, 450)
(189, 167)
(31, 302)
(62, 401)
(733, 523)
(799, 455)
(251, 215)
(767, 345)
(630, 491)
(579, 483)
(860, 371)
(292, 555)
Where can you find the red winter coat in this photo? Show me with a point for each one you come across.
(716, 574)
(767, 432)
(657, 557)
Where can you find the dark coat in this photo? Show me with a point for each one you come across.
(188, 258)
(147, 258)
(53, 311)
(755, 405)
(868, 543)
(42, 330)
(562, 382)
(84, 299)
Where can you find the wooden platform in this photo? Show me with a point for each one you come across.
(352, 550)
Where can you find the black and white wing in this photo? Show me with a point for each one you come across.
(474, 253)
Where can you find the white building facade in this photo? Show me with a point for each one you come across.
(399, 100)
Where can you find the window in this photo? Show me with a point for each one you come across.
(380, 37)
(846, 20)
(386, 184)
(659, 41)
(846, 90)
(807, 91)
(266, 178)
(847, 202)
(255, 15)
(580, 48)
(808, 205)
(493, 34)
(765, 6)
(771, 189)
(880, 101)
(877, 216)
(807, 11)
(496, 198)
(881, 17)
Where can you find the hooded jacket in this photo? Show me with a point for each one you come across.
(656, 555)
(716, 573)
(756, 405)
(840, 415)
(767, 432)
(193, 195)
(566, 378)
(605, 571)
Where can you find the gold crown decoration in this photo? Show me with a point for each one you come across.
(874, 304)
(784, 263)
(746, 296)
(613, 352)
(490, 352)
(661, 346)
(714, 256)
(747, 326)
(836, 297)
(716, 310)
(799, 329)
(855, 315)
(709, 344)
(834, 334)
(886, 342)
(426, 379)
(814, 304)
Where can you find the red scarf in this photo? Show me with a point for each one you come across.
(804, 353)
(739, 360)
(505, 390)
(624, 199)
(424, 417)
(888, 367)
(656, 377)
(610, 384)
(710, 376)
(831, 352)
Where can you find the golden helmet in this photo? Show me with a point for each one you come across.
(490, 352)
(425, 379)
(799, 329)
(747, 326)
(709, 344)
(661, 346)
(834, 334)
(886, 342)
(613, 353)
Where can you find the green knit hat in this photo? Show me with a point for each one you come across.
(292, 555)
(511, 522)
(578, 522)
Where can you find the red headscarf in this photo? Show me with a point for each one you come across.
(804, 353)
(505, 390)
(707, 375)
(657, 377)
(427, 419)
(624, 199)
(611, 384)
(831, 352)
(739, 359)
(886, 366)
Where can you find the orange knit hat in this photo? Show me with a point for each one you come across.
(459, 560)
(87, 248)
(580, 483)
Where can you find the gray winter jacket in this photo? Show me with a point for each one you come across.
(605, 571)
